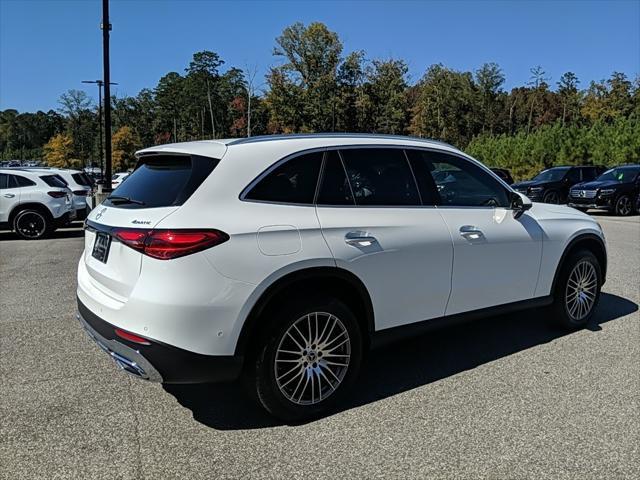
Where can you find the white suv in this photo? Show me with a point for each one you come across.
(283, 259)
(79, 184)
(34, 203)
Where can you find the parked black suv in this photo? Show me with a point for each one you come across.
(552, 185)
(616, 190)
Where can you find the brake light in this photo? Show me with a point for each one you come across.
(81, 193)
(132, 238)
(57, 194)
(168, 244)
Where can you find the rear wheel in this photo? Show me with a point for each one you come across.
(624, 206)
(578, 290)
(32, 224)
(307, 360)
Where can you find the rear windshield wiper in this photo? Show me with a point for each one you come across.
(119, 199)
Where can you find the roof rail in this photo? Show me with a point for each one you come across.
(296, 136)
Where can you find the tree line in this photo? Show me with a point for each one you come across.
(317, 87)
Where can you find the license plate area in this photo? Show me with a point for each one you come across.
(101, 247)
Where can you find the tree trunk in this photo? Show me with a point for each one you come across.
(213, 127)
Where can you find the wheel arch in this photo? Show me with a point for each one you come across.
(589, 241)
(29, 206)
(331, 280)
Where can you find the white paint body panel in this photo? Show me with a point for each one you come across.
(418, 268)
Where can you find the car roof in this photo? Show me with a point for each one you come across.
(218, 148)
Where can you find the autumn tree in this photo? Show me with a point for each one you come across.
(58, 151)
(124, 142)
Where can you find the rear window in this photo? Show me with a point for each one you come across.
(81, 179)
(54, 181)
(162, 181)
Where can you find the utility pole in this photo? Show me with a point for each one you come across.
(100, 84)
(106, 28)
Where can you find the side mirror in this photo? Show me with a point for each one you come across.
(519, 204)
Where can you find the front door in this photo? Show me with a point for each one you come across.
(496, 256)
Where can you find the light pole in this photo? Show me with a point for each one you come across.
(100, 83)
(106, 28)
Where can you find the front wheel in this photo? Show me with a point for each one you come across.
(306, 363)
(624, 206)
(578, 290)
(32, 224)
(551, 197)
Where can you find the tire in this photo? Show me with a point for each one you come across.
(552, 196)
(31, 224)
(294, 394)
(624, 206)
(577, 290)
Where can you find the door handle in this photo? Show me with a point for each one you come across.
(358, 240)
(471, 232)
(9, 195)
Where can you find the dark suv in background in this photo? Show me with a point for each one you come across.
(553, 184)
(616, 190)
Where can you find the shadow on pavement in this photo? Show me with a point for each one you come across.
(405, 365)
(75, 230)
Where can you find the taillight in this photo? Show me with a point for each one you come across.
(168, 244)
(57, 194)
(81, 193)
(132, 238)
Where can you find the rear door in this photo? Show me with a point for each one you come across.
(496, 257)
(374, 222)
(9, 195)
(157, 188)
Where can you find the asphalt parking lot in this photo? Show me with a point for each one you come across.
(507, 397)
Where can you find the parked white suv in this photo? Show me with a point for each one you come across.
(79, 184)
(33, 204)
(283, 259)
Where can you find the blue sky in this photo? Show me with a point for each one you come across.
(49, 46)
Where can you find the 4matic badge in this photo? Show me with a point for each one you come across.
(141, 222)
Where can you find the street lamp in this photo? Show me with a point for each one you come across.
(100, 84)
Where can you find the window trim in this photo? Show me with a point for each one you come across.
(325, 149)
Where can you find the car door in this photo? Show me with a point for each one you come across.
(376, 227)
(9, 195)
(496, 256)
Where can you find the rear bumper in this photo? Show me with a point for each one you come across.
(158, 362)
(66, 218)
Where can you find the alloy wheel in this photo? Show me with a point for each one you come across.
(552, 197)
(581, 291)
(312, 358)
(623, 207)
(31, 224)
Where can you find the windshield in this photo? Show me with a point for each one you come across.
(620, 174)
(551, 175)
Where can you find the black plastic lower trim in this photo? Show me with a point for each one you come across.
(391, 335)
(174, 364)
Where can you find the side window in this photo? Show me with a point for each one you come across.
(335, 189)
(23, 181)
(589, 173)
(380, 176)
(4, 180)
(292, 182)
(11, 181)
(457, 182)
(574, 175)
